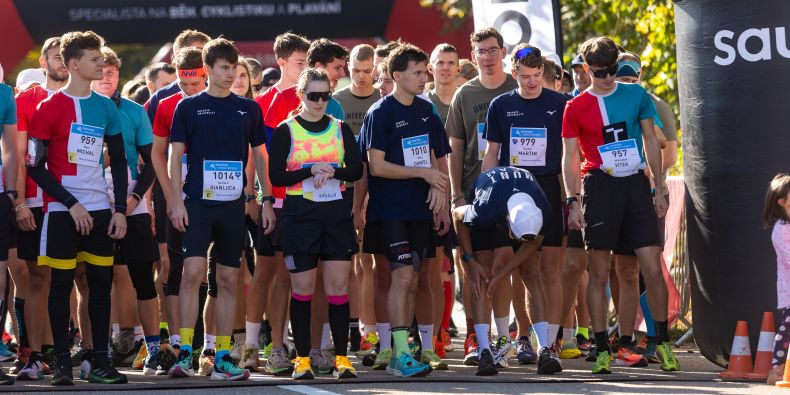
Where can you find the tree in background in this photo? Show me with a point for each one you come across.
(645, 27)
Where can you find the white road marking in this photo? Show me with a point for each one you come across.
(306, 389)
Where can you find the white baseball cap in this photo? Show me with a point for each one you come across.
(29, 77)
(524, 216)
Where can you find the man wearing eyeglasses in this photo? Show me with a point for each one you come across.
(465, 125)
(507, 199)
(523, 129)
(609, 123)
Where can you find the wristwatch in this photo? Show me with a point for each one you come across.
(468, 257)
(268, 199)
(570, 199)
(249, 198)
(12, 194)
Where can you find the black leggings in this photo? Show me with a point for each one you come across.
(99, 285)
(142, 275)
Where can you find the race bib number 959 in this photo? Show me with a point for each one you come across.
(85, 144)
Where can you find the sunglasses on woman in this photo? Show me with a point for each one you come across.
(316, 96)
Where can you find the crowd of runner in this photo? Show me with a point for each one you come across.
(219, 219)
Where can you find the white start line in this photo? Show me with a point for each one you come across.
(306, 389)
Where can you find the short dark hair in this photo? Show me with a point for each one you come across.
(468, 69)
(73, 44)
(362, 52)
(152, 73)
(52, 42)
(531, 60)
(111, 58)
(777, 189)
(188, 58)
(288, 43)
(255, 66)
(188, 37)
(383, 50)
(442, 48)
(220, 48)
(140, 95)
(400, 58)
(484, 34)
(324, 51)
(599, 52)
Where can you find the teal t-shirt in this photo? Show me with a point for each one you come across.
(136, 131)
(7, 108)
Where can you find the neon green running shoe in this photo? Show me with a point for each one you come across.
(602, 363)
(669, 362)
(430, 358)
(382, 359)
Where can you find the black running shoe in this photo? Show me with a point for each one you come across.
(370, 359)
(63, 374)
(486, 367)
(5, 379)
(548, 364)
(103, 373)
(355, 338)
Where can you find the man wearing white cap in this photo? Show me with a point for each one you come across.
(27, 77)
(503, 198)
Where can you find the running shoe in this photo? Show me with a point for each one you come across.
(302, 369)
(549, 361)
(151, 363)
(206, 363)
(236, 351)
(182, 367)
(438, 348)
(486, 365)
(592, 355)
(647, 347)
(430, 358)
(278, 363)
(471, 358)
(166, 358)
(524, 351)
(406, 366)
(320, 363)
(139, 360)
(33, 370)
(124, 348)
(570, 350)
(343, 368)
(6, 379)
(669, 362)
(85, 365)
(382, 359)
(102, 372)
(63, 374)
(267, 351)
(452, 330)
(249, 357)
(227, 370)
(368, 344)
(447, 340)
(627, 356)
(501, 351)
(21, 360)
(584, 344)
(602, 361)
(5, 353)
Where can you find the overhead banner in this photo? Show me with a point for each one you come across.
(732, 68)
(141, 21)
(536, 22)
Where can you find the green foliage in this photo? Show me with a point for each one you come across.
(645, 27)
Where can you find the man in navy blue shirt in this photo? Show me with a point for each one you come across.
(215, 128)
(504, 199)
(406, 147)
(524, 130)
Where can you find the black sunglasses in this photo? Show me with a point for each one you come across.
(316, 96)
(605, 72)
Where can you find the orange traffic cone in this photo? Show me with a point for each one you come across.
(741, 355)
(785, 383)
(765, 349)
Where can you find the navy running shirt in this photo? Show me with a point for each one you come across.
(494, 188)
(215, 129)
(529, 131)
(153, 102)
(407, 135)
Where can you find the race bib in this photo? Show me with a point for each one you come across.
(620, 159)
(223, 180)
(416, 151)
(183, 169)
(482, 143)
(85, 144)
(528, 146)
(327, 193)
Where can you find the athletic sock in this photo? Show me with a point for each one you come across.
(223, 346)
(116, 330)
(326, 331)
(602, 342)
(239, 336)
(19, 312)
(426, 336)
(252, 329)
(300, 323)
(138, 333)
(385, 335)
(186, 335)
(542, 333)
(99, 287)
(401, 337)
(662, 331)
(175, 340)
(502, 326)
(583, 331)
(152, 343)
(353, 323)
(447, 287)
(482, 341)
(163, 325)
(368, 329)
(209, 342)
(626, 341)
(567, 334)
(554, 329)
(339, 322)
(470, 326)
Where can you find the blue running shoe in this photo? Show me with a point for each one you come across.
(406, 366)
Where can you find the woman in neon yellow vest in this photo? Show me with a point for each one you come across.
(312, 155)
